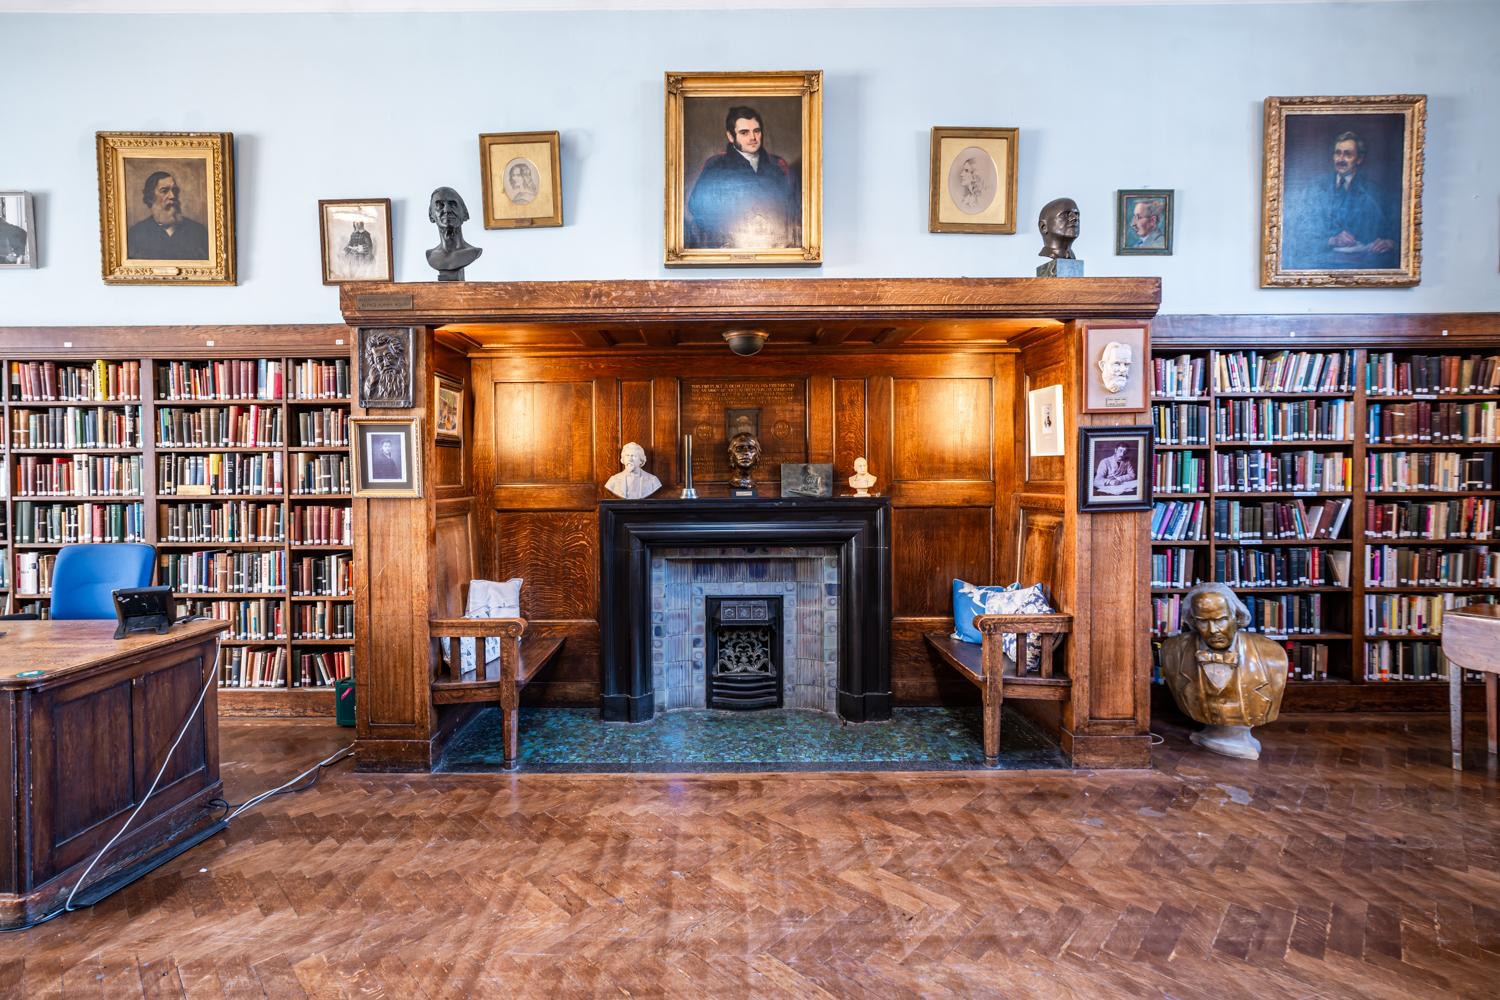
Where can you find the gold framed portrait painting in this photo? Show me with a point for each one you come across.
(522, 180)
(1342, 199)
(744, 166)
(166, 207)
(973, 183)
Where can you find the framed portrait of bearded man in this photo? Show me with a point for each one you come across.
(166, 207)
(744, 169)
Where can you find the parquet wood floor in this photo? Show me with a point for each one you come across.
(1350, 861)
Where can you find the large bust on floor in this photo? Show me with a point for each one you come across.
(1225, 678)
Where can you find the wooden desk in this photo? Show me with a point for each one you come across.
(1471, 641)
(80, 743)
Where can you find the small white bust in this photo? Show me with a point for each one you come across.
(633, 482)
(1114, 366)
(861, 481)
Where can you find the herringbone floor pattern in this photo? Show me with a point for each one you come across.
(1348, 862)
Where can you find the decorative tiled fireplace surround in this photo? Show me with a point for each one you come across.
(806, 578)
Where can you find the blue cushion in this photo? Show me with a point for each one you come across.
(1011, 600)
(969, 600)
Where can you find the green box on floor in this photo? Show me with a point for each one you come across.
(343, 701)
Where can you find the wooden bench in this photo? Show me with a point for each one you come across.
(522, 657)
(996, 675)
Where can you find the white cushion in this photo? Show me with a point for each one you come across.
(487, 599)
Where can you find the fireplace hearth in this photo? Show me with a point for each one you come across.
(743, 653)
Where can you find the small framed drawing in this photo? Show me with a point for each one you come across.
(1114, 468)
(17, 230)
(387, 358)
(806, 479)
(973, 184)
(356, 234)
(1044, 421)
(1114, 359)
(1341, 204)
(522, 180)
(387, 456)
(166, 207)
(1143, 223)
(448, 411)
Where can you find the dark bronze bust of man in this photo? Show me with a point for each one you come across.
(744, 454)
(452, 254)
(1058, 223)
(1227, 679)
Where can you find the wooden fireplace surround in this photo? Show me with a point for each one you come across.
(557, 375)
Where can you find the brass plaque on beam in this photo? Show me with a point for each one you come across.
(382, 301)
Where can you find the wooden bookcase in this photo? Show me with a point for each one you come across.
(157, 450)
(1353, 680)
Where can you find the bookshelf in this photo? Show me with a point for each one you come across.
(1346, 493)
(236, 468)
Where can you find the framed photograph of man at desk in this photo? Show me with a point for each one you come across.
(356, 239)
(1114, 468)
(166, 207)
(522, 180)
(1342, 200)
(387, 456)
(973, 184)
(744, 164)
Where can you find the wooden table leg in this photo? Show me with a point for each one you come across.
(1492, 709)
(1456, 713)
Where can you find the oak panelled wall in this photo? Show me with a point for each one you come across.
(548, 432)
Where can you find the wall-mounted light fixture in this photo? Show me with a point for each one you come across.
(746, 342)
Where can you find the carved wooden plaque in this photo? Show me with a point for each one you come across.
(782, 419)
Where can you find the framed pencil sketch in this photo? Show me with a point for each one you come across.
(448, 410)
(387, 456)
(744, 169)
(17, 230)
(356, 239)
(522, 180)
(1143, 223)
(1044, 421)
(972, 188)
(1115, 359)
(1114, 468)
(1341, 205)
(166, 207)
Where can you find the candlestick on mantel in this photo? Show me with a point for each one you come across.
(688, 493)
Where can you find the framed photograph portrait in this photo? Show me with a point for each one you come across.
(1342, 200)
(806, 479)
(744, 167)
(387, 456)
(522, 180)
(1115, 360)
(1143, 223)
(1044, 421)
(973, 183)
(166, 207)
(356, 237)
(447, 411)
(387, 358)
(1114, 468)
(17, 230)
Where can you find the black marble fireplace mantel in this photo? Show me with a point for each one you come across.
(859, 527)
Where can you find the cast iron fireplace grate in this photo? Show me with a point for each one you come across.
(743, 652)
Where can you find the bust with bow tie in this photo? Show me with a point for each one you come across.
(1227, 679)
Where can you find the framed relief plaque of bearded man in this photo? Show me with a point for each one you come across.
(1116, 364)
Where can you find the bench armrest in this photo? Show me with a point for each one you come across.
(477, 628)
(1052, 628)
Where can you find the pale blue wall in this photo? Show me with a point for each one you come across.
(369, 106)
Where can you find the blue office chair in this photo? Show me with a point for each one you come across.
(86, 576)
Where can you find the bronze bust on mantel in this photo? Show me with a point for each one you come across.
(744, 455)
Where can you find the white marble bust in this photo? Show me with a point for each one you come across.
(861, 481)
(1114, 366)
(633, 482)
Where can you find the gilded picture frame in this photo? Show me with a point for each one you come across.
(166, 207)
(387, 456)
(447, 410)
(354, 236)
(1341, 204)
(522, 180)
(744, 169)
(972, 187)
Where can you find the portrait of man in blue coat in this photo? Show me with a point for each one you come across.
(746, 196)
(1343, 219)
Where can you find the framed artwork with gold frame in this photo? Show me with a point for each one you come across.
(973, 183)
(387, 456)
(448, 410)
(522, 180)
(744, 169)
(166, 207)
(1341, 205)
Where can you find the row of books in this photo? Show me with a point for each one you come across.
(34, 573)
(1179, 520)
(1434, 520)
(1179, 472)
(323, 620)
(323, 428)
(323, 576)
(252, 378)
(251, 667)
(1183, 375)
(1405, 566)
(325, 473)
(1440, 471)
(1387, 375)
(221, 572)
(1285, 614)
(76, 427)
(322, 668)
(251, 426)
(1262, 420)
(48, 381)
(260, 619)
(1408, 661)
(1412, 614)
(1174, 568)
(69, 524)
(322, 524)
(78, 475)
(1403, 423)
(1312, 566)
(1282, 471)
(1180, 423)
(1166, 614)
(1307, 661)
(234, 521)
(1283, 371)
(220, 473)
(321, 379)
(1262, 520)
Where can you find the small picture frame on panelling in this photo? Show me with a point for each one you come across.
(1044, 421)
(356, 239)
(17, 230)
(1115, 362)
(522, 180)
(447, 411)
(387, 358)
(1114, 470)
(1143, 222)
(387, 456)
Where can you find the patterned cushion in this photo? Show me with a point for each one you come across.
(1012, 600)
(487, 599)
(969, 600)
